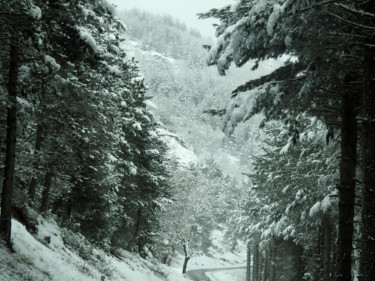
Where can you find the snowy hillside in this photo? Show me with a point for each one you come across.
(59, 255)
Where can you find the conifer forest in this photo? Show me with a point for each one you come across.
(133, 148)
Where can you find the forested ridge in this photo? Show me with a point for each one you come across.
(82, 149)
(80, 139)
(114, 128)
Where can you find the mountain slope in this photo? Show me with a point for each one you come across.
(56, 254)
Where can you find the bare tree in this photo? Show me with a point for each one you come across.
(190, 202)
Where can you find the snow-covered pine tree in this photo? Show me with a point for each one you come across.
(85, 129)
(16, 20)
(291, 192)
(326, 72)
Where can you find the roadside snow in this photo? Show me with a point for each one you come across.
(219, 255)
(232, 275)
(45, 256)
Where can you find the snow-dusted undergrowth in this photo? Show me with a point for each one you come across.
(46, 256)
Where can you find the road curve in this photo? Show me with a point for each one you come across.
(200, 274)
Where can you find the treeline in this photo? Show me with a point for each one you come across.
(77, 140)
(165, 35)
(309, 211)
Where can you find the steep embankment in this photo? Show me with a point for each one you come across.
(53, 253)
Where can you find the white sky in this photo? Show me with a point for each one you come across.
(184, 10)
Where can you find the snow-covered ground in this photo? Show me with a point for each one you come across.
(45, 256)
(232, 275)
(219, 255)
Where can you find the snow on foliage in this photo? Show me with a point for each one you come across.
(326, 204)
(274, 17)
(114, 69)
(24, 103)
(137, 126)
(87, 12)
(114, 49)
(133, 170)
(223, 60)
(153, 152)
(279, 226)
(285, 148)
(288, 41)
(315, 209)
(239, 109)
(52, 62)
(85, 35)
(236, 5)
(35, 12)
(109, 7)
(266, 233)
(121, 26)
(150, 104)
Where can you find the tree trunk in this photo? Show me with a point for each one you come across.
(334, 256)
(46, 190)
(256, 262)
(261, 266)
(10, 157)
(38, 144)
(327, 247)
(347, 187)
(272, 274)
(265, 268)
(136, 240)
(248, 263)
(187, 257)
(317, 256)
(300, 264)
(368, 161)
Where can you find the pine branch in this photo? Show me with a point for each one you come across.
(334, 93)
(346, 34)
(215, 112)
(283, 73)
(354, 10)
(353, 23)
(316, 5)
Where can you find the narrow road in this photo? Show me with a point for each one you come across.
(200, 274)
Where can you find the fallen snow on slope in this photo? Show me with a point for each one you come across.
(45, 256)
(176, 149)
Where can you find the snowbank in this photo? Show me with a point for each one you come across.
(233, 275)
(45, 256)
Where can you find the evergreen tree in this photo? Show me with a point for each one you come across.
(90, 148)
(327, 71)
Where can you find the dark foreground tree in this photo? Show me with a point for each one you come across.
(14, 20)
(11, 136)
(330, 39)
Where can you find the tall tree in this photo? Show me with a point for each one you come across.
(366, 25)
(13, 19)
(89, 146)
(304, 29)
(11, 137)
